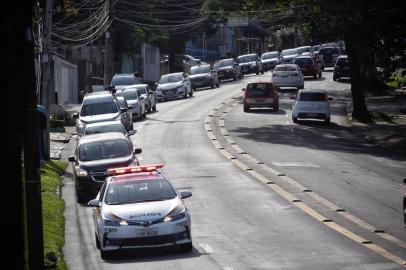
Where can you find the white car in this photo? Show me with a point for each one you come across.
(174, 85)
(311, 104)
(289, 56)
(137, 207)
(288, 75)
(133, 98)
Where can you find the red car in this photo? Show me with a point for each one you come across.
(308, 66)
(260, 94)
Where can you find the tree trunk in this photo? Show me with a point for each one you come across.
(358, 80)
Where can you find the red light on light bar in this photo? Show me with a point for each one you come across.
(135, 169)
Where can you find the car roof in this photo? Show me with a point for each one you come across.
(108, 136)
(304, 56)
(205, 65)
(180, 73)
(270, 52)
(225, 59)
(249, 54)
(104, 123)
(286, 65)
(97, 97)
(259, 81)
(321, 91)
(124, 75)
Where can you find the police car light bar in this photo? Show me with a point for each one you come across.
(135, 169)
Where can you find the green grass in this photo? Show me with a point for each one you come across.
(52, 210)
(396, 82)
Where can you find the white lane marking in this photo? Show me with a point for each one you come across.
(295, 164)
(206, 248)
(228, 268)
(287, 122)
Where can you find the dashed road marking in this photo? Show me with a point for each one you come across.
(295, 164)
(206, 248)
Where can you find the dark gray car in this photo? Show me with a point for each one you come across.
(204, 76)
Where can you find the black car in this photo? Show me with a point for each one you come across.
(341, 68)
(250, 63)
(203, 76)
(96, 153)
(228, 69)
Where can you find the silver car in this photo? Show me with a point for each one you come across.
(174, 85)
(311, 104)
(288, 75)
(134, 99)
(138, 207)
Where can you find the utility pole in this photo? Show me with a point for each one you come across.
(107, 59)
(107, 52)
(47, 90)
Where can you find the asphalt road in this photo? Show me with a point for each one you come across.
(240, 222)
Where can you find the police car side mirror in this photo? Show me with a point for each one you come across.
(404, 181)
(71, 159)
(131, 132)
(243, 89)
(130, 107)
(185, 194)
(94, 203)
(330, 98)
(292, 97)
(75, 115)
(123, 110)
(137, 150)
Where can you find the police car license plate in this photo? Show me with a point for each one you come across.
(145, 232)
(311, 114)
(259, 100)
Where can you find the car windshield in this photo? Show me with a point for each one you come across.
(224, 63)
(304, 61)
(171, 78)
(104, 149)
(312, 97)
(99, 108)
(289, 52)
(342, 61)
(142, 90)
(285, 68)
(137, 191)
(122, 102)
(247, 58)
(106, 128)
(124, 80)
(128, 94)
(329, 51)
(259, 90)
(200, 70)
(269, 55)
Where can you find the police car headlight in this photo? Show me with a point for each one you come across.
(114, 223)
(80, 172)
(178, 213)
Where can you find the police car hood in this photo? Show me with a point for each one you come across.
(99, 117)
(248, 63)
(141, 211)
(166, 86)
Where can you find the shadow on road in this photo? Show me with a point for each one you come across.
(266, 111)
(152, 255)
(316, 135)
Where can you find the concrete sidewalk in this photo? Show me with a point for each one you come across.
(391, 131)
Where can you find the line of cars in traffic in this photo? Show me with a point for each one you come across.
(134, 205)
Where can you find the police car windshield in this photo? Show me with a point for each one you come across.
(104, 149)
(107, 128)
(99, 108)
(136, 191)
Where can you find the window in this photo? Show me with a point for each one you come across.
(104, 149)
(107, 128)
(171, 78)
(312, 97)
(247, 58)
(200, 70)
(304, 61)
(99, 108)
(126, 192)
(259, 90)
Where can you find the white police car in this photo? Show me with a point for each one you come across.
(137, 207)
